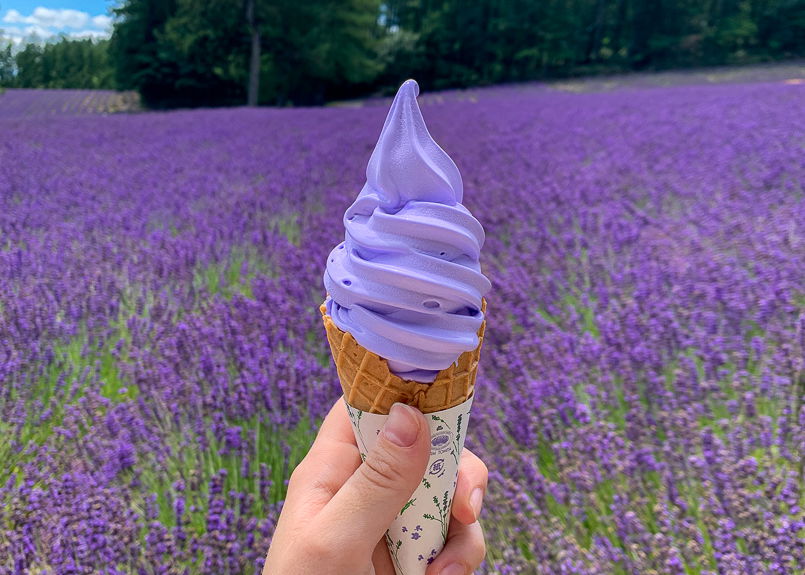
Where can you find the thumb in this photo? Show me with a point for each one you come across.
(370, 500)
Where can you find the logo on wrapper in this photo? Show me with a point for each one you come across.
(437, 468)
(441, 442)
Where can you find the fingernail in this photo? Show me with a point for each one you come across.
(401, 427)
(453, 569)
(477, 501)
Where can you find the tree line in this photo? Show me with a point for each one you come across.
(67, 63)
(284, 52)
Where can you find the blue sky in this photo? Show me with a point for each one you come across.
(20, 19)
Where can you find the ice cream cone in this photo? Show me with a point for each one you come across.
(370, 386)
(409, 210)
(419, 531)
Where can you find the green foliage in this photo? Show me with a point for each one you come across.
(7, 64)
(77, 64)
(344, 47)
(181, 52)
(197, 52)
(448, 43)
(233, 275)
(194, 52)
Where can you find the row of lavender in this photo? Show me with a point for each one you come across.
(640, 404)
(20, 103)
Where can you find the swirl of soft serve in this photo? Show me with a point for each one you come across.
(407, 282)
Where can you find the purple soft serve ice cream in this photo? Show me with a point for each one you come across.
(407, 282)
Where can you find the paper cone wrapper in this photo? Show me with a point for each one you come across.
(419, 531)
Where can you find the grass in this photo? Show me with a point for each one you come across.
(288, 226)
(234, 274)
(227, 278)
(278, 448)
(55, 389)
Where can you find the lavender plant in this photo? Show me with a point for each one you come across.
(26, 103)
(640, 400)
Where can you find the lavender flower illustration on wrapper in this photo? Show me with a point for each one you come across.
(405, 313)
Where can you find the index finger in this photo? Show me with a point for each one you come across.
(336, 427)
(332, 459)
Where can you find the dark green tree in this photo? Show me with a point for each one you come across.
(30, 72)
(196, 52)
(331, 50)
(139, 60)
(453, 43)
(66, 63)
(7, 64)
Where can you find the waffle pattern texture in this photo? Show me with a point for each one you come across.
(370, 386)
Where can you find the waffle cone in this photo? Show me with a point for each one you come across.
(370, 386)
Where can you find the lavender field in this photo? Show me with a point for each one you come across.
(19, 103)
(640, 403)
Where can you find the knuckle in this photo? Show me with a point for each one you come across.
(475, 463)
(481, 551)
(380, 471)
(483, 469)
(480, 465)
(297, 474)
(480, 546)
(300, 475)
(321, 485)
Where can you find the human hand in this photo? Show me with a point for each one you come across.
(338, 509)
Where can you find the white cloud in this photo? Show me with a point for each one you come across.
(103, 22)
(44, 23)
(13, 17)
(94, 34)
(17, 35)
(5, 37)
(49, 18)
